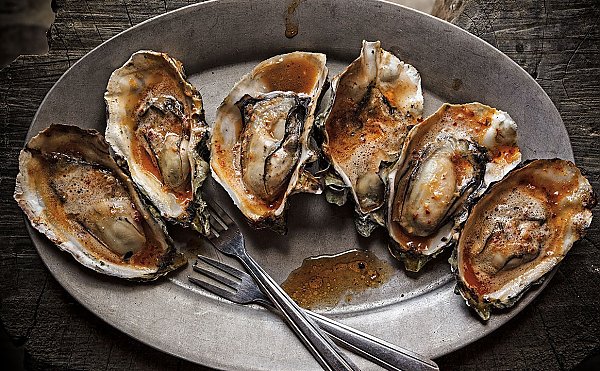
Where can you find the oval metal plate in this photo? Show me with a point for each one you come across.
(218, 42)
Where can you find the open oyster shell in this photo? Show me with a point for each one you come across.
(155, 125)
(519, 230)
(261, 139)
(374, 102)
(447, 161)
(73, 192)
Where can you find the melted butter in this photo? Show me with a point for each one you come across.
(410, 242)
(323, 281)
(297, 74)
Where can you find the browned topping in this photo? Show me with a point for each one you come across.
(352, 125)
(464, 116)
(63, 186)
(507, 154)
(537, 184)
(150, 255)
(156, 83)
(463, 168)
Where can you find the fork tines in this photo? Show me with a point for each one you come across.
(219, 220)
(224, 267)
(217, 277)
(229, 283)
(210, 287)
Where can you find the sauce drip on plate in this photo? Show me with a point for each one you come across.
(323, 281)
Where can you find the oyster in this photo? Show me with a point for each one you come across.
(447, 161)
(155, 124)
(519, 230)
(375, 100)
(261, 139)
(73, 192)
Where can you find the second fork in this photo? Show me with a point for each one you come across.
(245, 291)
(227, 238)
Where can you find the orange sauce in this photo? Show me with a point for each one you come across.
(353, 127)
(294, 74)
(541, 187)
(184, 197)
(142, 157)
(323, 281)
(408, 242)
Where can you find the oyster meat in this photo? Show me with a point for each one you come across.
(261, 139)
(447, 161)
(519, 230)
(73, 192)
(374, 102)
(155, 125)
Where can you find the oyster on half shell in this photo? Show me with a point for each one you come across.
(73, 192)
(261, 139)
(447, 161)
(374, 102)
(155, 125)
(519, 230)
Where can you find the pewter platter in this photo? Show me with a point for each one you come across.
(218, 42)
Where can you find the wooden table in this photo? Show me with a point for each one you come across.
(556, 42)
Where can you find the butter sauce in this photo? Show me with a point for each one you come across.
(323, 281)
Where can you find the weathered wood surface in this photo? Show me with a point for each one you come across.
(556, 42)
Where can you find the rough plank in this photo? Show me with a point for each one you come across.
(557, 43)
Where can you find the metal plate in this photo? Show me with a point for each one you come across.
(220, 41)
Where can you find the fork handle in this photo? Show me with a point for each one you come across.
(321, 347)
(387, 355)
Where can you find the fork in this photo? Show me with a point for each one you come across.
(245, 291)
(227, 238)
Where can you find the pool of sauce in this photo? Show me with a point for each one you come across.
(323, 281)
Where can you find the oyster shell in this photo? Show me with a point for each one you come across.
(519, 230)
(447, 161)
(155, 125)
(375, 100)
(261, 140)
(73, 192)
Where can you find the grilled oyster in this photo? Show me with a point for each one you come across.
(261, 140)
(155, 125)
(73, 192)
(375, 100)
(447, 161)
(519, 230)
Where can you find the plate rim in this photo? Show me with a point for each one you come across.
(209, 361)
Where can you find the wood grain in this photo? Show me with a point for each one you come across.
(557, 43)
